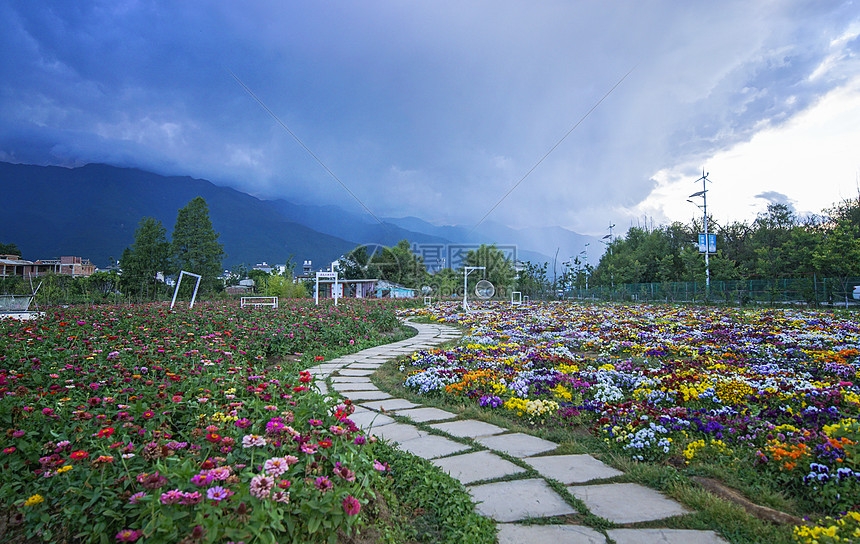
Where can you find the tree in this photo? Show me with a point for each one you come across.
(532, 280)
(148, 255)
(499, 269)
(195, 246)
(355, 265)
(399, 265)
(9, 249)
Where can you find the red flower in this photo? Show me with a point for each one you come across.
(77, 455)
(213, 437)
(319, 358)
(148, 414)
(106, 432)
(325, 443)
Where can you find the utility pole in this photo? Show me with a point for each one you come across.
(704, 194)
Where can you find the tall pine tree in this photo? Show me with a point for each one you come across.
(195, 246)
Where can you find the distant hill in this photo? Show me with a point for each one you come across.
(92, 212)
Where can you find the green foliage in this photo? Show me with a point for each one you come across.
(9, 249)
(447, 512)
(778, 245)
(195, 247)
(284, 287)
(532, 281)
(398, 264)
(148, 255)
(499, 269)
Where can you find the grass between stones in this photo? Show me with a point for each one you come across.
(711, 512)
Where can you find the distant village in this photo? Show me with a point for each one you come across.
(14, 266)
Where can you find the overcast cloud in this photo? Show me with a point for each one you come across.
(437, 109)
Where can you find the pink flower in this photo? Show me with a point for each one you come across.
(243, 423)
(171, 497)
(281, 496)
(323, 484)
(134, 499)
(351, 505)
(343, 472)
(128, 535)
(252, 440)
(379, 466)
(191, 498)
(261, 486)
(275, 466)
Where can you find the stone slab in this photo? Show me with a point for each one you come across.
(321, 387)
(370, 420)
(365, 395)
(350, 379)
(421, 415)
(518, 500)
(663, 536)
(517, 444)
(398, 432)
(356, 372)
(364, 365)
(477, 466)
(572, 469)
(626, 503)
(512, 533)
(390, 405)
(468, 428)
(432, 446)
(354, 386)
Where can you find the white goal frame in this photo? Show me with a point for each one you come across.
(179, 282)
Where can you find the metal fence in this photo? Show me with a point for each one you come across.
(808, 291)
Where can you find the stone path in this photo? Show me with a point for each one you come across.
(480, 464)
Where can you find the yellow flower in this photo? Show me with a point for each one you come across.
(64, 468)
(34, 500)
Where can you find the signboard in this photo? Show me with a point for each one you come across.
(712, 243)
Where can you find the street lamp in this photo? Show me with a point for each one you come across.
(584, 252)
(609, 248)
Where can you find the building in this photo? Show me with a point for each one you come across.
(13, 265)
(347, 288)
(387, 289)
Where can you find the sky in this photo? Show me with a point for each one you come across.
(577, 114)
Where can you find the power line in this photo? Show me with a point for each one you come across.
(301, 143)
(558, 143)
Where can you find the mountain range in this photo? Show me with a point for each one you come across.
(92, 211)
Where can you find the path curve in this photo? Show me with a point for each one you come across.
(480, 464)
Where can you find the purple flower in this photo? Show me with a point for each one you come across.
(218, 493)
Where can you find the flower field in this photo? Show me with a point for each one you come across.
(775, 390)
(137, 423)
